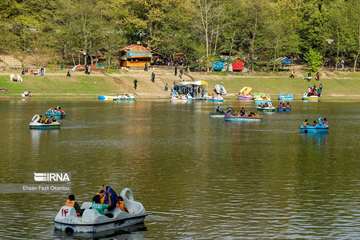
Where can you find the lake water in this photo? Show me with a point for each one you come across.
(200, 177)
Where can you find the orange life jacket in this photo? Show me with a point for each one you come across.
(70, 203)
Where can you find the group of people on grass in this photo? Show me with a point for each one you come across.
(321, 122)
(314, 91)
(105, 199)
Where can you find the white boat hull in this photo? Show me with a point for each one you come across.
(117, 224)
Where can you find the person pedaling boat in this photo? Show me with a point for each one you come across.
(70, 202)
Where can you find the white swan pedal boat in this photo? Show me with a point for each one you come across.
(35, 124)
(92, 221)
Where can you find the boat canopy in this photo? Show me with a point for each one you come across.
(245, 90)
(197, 89)
(194, 83)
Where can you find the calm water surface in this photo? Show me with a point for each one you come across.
(200, 177)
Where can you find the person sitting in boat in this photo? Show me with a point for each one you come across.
(101, 195)
(287, 105)
(98, 206)
(314, 123)
(110, 197)
(121, 204)
(251, 114)
(305, 123)
(70, 202)
(219, 109)
(42, 119)
(242, 112)
(325, 122)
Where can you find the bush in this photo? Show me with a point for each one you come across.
(314, 60)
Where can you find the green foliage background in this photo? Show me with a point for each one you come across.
(256, 30)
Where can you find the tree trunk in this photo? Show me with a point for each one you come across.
(73, 59)
(337, 50)
(358, 53)
(205, 24)
(275, 54)
(356, 60)
(231, 48)
(252, 44)
(216, 39)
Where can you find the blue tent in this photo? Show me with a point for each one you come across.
(286, 61)
(218, 66)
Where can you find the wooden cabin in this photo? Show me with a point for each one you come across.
(135, 56)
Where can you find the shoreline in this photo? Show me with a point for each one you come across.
(342, 85)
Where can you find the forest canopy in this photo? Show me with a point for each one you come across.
(255, 30)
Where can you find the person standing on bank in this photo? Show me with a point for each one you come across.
(153, 76)
(135, 84)
(181, 73)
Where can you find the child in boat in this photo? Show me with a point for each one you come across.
(70, 202)
(121, 204)
(98, 206)
(314, 123)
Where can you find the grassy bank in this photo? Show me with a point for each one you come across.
(345, 85)
(60, 85)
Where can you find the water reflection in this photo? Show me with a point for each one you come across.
(316, 138)
(36, 135)
(203, 178)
